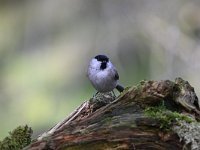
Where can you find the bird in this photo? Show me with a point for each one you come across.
(103, 75)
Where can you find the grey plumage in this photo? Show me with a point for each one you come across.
(103, 75)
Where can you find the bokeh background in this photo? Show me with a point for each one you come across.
(46, 45)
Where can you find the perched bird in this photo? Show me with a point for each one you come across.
(103, 75)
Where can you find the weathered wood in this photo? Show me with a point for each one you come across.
(107, 123)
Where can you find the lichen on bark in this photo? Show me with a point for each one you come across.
(189, 133)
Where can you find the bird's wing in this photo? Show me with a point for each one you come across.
(116, 77)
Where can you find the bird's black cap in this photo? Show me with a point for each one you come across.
(102, 58)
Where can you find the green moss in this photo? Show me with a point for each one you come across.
(166, 117)
(129, 88)
(126, 89)
(17, 139)
(140, 85)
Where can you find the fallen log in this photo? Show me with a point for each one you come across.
(151, 115)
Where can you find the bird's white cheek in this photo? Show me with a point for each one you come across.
(95, 64)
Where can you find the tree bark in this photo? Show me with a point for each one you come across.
(106, 122)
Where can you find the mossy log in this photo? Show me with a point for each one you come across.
(105, 122)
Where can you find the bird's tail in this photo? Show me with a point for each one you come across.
(120, 88)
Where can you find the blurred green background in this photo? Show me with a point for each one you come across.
(46, 45)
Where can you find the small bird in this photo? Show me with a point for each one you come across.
(103, 75)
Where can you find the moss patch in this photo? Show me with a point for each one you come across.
(17, 139)
(166, 117)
